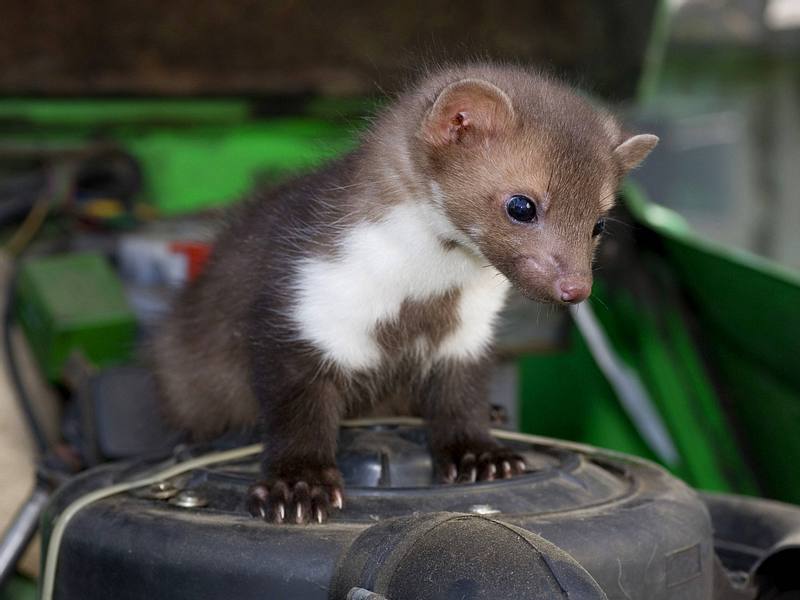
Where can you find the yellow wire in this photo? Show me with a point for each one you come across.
(58, 181)
(29, 227)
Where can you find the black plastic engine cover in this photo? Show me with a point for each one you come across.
(638, 531)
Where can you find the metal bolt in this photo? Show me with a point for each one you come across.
(163, 490)
(189, 499)
(483, 509)
(358, 593)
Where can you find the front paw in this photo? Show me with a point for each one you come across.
(479, 462)
(297, 496)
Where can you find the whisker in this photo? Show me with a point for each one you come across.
(620, 221)
(603, 304)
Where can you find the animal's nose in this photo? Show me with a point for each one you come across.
(574, 289)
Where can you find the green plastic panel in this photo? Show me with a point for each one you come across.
(195, 154)
(74, 302)
(748, 311)
(210, 166)
(18, 588)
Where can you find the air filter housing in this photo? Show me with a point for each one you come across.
(582, 523)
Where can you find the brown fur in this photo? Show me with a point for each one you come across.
(479, 133)
(556, 148)
(419, 323)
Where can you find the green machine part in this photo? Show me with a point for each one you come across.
(654, 338)
(716, 346)
(748, 312)
(74, 303)
(195, 153)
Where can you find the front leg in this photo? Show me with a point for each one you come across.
(301, 481)
(455, 404)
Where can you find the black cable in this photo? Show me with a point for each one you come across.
(23, 397)
(103, 171)
(18, 194)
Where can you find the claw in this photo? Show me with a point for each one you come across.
(297, 500)
(490, 464)
(468, 471)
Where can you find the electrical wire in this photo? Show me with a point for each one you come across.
(60, 180)
(29, 227)
(59, 183)
(57, 533)
(10, 360)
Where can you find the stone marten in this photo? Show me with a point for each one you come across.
(373, 284)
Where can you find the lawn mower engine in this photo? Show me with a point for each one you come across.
(582, 524)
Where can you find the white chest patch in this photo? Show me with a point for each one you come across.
(379, 265)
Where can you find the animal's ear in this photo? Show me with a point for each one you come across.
(464, 106)
(634, 150)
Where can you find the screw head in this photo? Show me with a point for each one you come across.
(162, 490)
(483, 509)
(189, 499)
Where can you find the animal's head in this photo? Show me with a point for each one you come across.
(526, 171)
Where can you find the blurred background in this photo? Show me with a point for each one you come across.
(126, 127)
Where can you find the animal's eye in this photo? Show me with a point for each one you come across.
(599, 227)
(521, 208)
